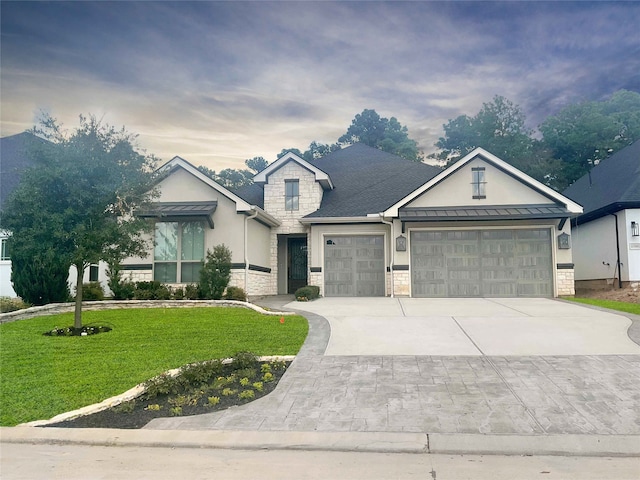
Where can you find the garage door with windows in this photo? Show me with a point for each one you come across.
(481, 263)
(354, 266)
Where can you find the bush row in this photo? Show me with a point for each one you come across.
(154, 290)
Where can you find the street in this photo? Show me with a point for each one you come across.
(70, 462)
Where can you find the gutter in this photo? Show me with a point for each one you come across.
(390, 223)
(618, 253)
(246, 249)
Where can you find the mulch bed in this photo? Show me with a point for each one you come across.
(227, 386)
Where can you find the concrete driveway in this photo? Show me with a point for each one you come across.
(469, 326)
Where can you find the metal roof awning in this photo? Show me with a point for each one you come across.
(177, 211)
(487, 212)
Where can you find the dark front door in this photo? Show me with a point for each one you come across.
(296, 263)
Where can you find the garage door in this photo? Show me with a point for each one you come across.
(354, 266)
(481, 263)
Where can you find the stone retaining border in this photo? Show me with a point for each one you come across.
(54, 308)
(131, 394)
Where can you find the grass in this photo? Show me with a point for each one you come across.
(43, 376)
(612, 304)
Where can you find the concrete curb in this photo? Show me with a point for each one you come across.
(379, 442)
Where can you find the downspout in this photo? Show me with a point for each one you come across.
(246, 250)
(392, 249)
(618, 252)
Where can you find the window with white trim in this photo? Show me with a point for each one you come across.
(478, 183)
(291, 194)
(4, 249)
(178, 252)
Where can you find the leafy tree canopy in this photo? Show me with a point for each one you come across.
(78, 199)
(384, 133)
(581, 135)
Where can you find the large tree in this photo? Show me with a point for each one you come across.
(77, 202)
(387, 134)
(582, 134)
(499, 127)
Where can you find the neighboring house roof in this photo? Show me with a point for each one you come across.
(612, 185)
(570, 206)
(367, 181)
(13, 161)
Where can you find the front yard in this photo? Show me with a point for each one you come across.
(43, 376)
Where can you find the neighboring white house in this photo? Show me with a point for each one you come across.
(362, 222)
(606, 237)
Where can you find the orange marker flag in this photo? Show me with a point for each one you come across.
(281, 319)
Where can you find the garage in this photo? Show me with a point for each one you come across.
(354, 266)
(482, 263)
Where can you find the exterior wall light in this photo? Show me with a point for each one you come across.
(401, 243)
(564, 241)
(635, 229)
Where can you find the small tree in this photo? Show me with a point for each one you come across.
(39, 277)
(215, 273)
(78, 200)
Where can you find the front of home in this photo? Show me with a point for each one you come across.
(362, 222)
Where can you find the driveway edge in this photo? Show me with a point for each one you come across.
(378, 442)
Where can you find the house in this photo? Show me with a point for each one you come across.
(363, 222)
(14, 160)
(606, 238)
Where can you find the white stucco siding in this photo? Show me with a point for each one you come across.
(181, 186)
(6, 288)
(259, 247)
(500, 189)
(630, 249)
(594, 249)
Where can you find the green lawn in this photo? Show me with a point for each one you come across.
(43, 376)
(612, 304)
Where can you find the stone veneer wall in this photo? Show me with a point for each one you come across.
(310, 196)
(137, 275)
(401, 283)
(258, 283)
(565, 281)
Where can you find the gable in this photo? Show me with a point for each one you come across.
(181, 186)
(319, 176)
(500, 189)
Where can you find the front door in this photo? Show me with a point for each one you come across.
(296, 263)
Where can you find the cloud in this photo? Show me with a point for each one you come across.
(219, 82)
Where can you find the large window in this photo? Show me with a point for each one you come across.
(291, 194)
(179, 251)
(4, 249)
(478, 183)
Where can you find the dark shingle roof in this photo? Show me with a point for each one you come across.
(612, 185)
(368, 180)
(13, 161)
(252, 194)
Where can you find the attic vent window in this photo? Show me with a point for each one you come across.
(478, 183)
(291, 195)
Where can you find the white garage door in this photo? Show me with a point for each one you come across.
(481, 263)
(354, 266)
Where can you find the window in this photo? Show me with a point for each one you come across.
(291, 194)
(93, 273)
(4, 249)
(187, 238)
(478, 182)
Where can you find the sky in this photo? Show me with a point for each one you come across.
(221, 82)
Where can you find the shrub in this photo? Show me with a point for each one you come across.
(39, 277)
(308, 292)
(191, 292)
(178, 293)
(92, 291)
(212, 401)
(198, 373)
(12, 304)
(247, 395)
(235, 293)
(121, 289)
(215, 273)
(242, 360)
(152, 290)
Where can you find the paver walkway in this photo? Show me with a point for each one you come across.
(439, 394)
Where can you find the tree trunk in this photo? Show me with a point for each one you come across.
(77, 317)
